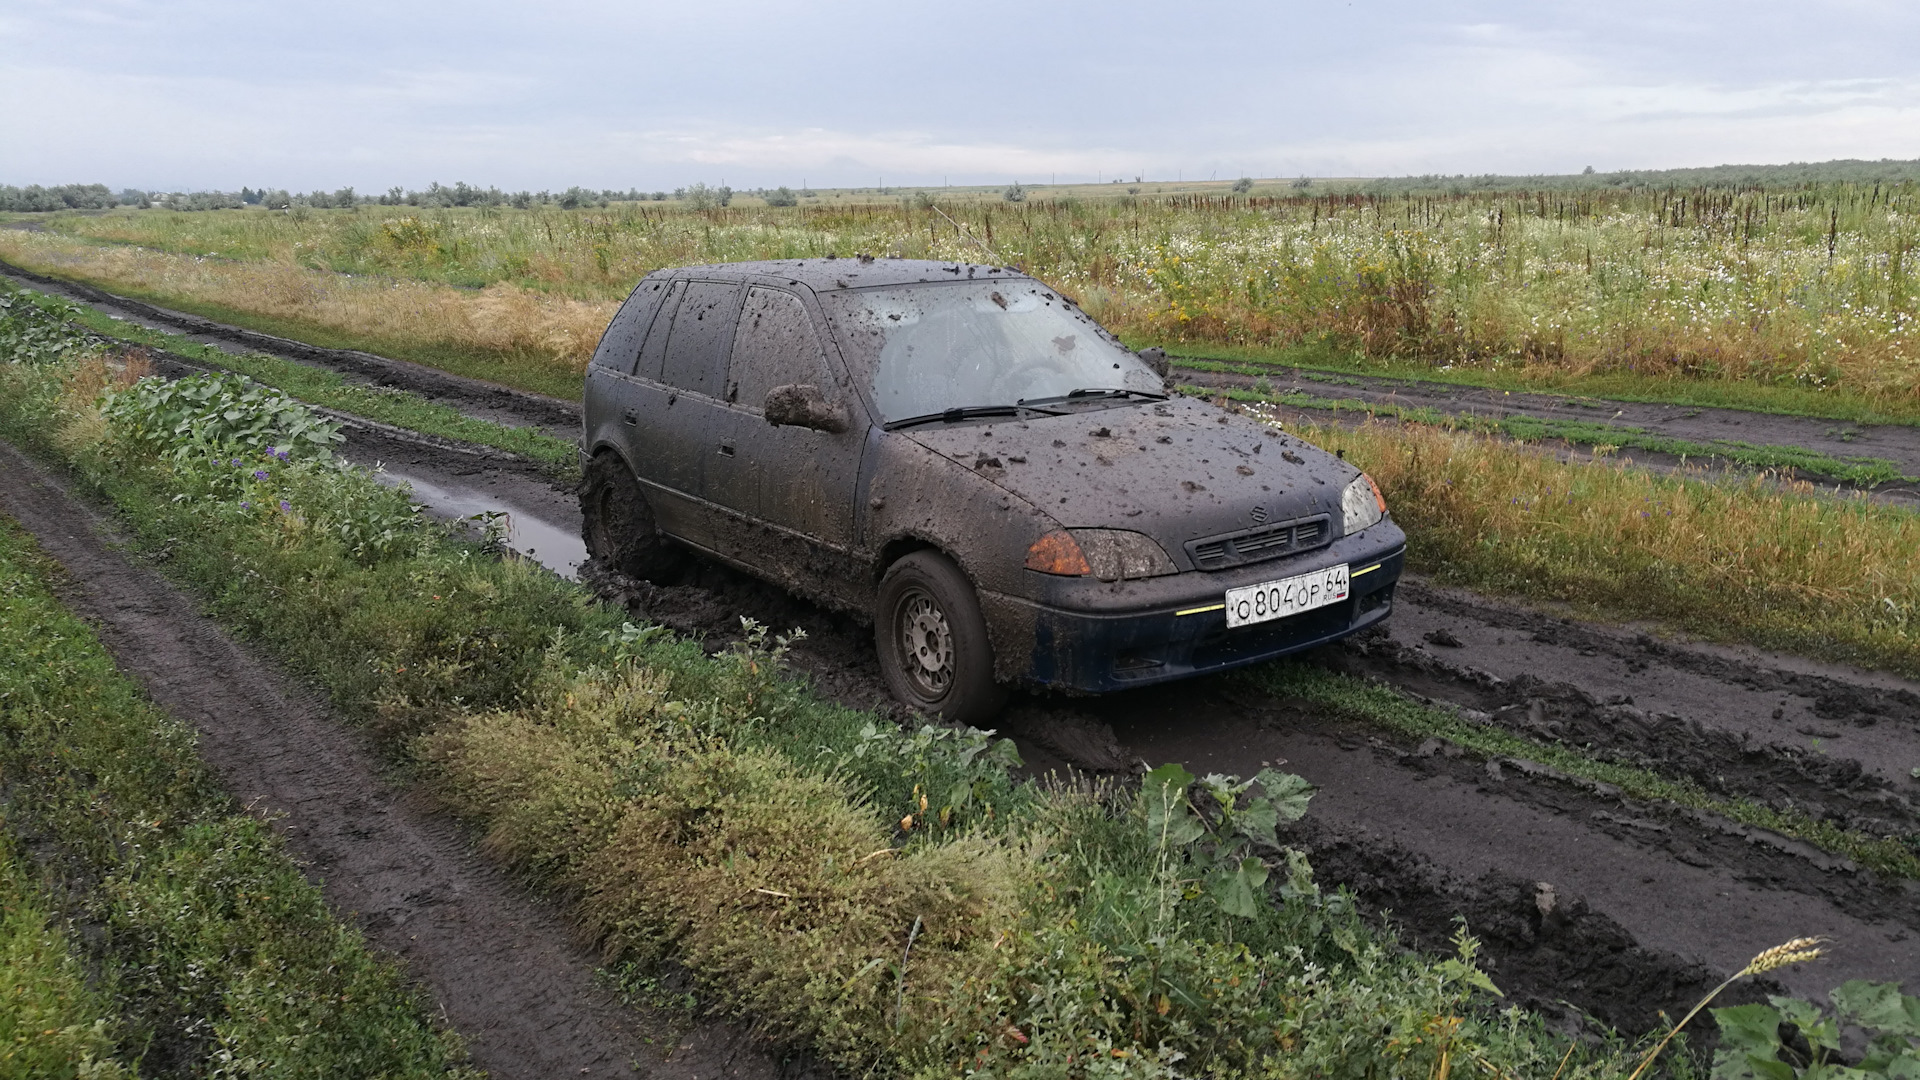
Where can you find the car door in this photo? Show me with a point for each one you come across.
(801, 482)
(684, 372)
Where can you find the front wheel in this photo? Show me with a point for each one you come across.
(932, 641)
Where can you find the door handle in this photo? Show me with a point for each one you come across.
(631, 418)
(726, 449)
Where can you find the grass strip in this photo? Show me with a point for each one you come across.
(228, 959)
(893, 899)
(331, 390)
(1384, 707)
(1322, 361)
(1860, 471)
(53, 1025)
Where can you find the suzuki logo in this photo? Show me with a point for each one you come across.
(1258, 514)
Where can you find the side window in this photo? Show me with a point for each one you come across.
(702, 330)
(654, 352)
(620, 345)
(776, 345)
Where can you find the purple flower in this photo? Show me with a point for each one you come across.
(236, 463)
(286, 507)
(273, 451)
(246, 506)
(259, 474)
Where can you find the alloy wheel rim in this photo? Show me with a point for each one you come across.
(926, 644)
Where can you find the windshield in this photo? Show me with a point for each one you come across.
(931, 348)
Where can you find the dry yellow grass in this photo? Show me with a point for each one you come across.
(502, 318)
(1732, 558)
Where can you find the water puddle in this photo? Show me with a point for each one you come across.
(555, 547)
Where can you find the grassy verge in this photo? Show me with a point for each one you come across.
(1862, 471)
(1382, 707)
(330, 390)
(53, 1025)
(218, 954)
(1829, 403)
(892, 898)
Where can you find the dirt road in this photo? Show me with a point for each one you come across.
(498, 960)
(1584, 897)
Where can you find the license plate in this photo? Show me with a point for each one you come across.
(1287, 596)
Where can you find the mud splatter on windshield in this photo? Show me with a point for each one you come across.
(929, 348)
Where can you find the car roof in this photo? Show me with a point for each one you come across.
(830, 274)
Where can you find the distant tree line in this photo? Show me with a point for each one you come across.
(37, 199)
(1884, 171)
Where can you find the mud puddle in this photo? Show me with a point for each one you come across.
(522, 530)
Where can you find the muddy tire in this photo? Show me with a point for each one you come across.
(618, 525)
(932, 641)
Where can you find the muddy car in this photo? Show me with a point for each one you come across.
(961, 455)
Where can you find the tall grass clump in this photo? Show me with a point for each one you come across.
(894, 899)
(1808, 288)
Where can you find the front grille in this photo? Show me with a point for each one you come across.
(1265, 542)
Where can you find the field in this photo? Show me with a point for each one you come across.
(1651, 826)
(1798, 300)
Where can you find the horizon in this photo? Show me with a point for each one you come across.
(190, 96)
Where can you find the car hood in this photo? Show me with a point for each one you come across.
(1178, 470)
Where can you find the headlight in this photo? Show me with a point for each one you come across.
(1108, 554)
(1361, 505)
(1119, 555)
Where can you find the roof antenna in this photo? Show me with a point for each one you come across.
(992, 254)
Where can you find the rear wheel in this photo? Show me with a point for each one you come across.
(932, 641)
(618, 525)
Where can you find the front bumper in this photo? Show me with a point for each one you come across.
(1093, 651)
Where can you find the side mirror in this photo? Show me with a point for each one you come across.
(1155, 358)
(803, 405)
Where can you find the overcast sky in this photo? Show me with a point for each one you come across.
(221, 93)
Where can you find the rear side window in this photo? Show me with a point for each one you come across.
(702, 331)
(620, 345)
(654, 353)
(776, 345)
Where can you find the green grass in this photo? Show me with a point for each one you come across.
(1862, 471)
(330, 390)
(1323, 359)
(1382, 707)
(53, 1024)
(214, 948)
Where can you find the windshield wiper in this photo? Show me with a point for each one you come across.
(967, 412)
(1094, 393)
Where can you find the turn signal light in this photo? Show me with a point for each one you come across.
(1377, 497)
(1058, 553)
